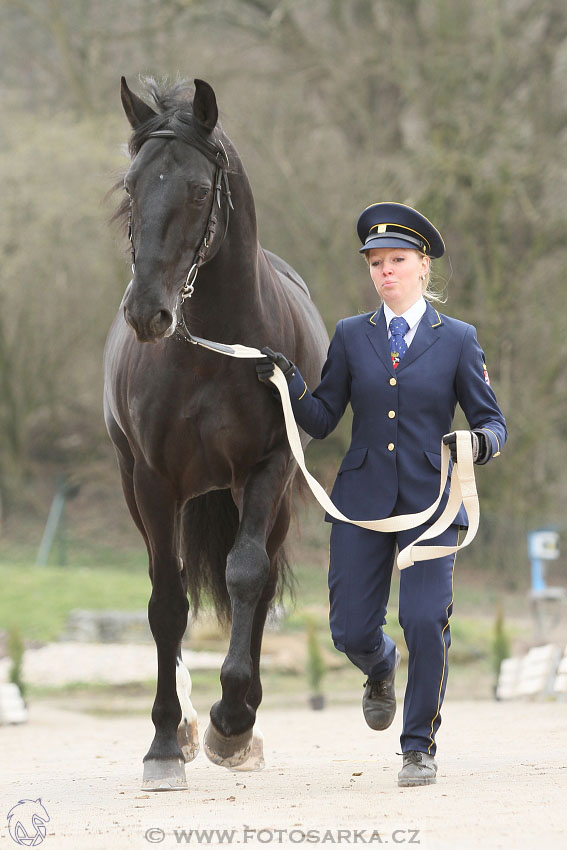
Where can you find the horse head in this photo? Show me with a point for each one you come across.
(176, 185)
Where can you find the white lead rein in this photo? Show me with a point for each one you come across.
(462, 488)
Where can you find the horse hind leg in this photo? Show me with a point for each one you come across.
(188, 730)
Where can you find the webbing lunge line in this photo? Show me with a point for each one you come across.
(462, 488)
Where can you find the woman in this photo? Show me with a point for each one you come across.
(403, 368)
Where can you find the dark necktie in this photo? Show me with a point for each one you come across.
(398, 329)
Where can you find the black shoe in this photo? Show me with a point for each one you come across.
(379, 700)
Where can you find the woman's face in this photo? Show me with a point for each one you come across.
(397, 275)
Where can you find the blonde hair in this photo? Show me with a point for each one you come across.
(428, 287)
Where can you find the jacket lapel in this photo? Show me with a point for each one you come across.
(427, 333)
(378, 336)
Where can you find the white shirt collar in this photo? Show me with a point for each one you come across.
(412, 316)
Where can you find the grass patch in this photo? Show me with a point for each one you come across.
(38, 600)
(85, 553)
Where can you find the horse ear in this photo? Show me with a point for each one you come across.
(136, 110)
(205, 110)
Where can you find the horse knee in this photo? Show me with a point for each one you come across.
(247, 570)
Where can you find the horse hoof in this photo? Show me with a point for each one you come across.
(255, 758)
(188, 739)
(227, 752)
(164, 775)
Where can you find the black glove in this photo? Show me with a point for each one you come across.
(265, 365)
(479, 446)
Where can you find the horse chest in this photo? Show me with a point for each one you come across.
(201, 443)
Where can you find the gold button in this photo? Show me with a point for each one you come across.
(391, 447)
(393, 382)
(391, 414)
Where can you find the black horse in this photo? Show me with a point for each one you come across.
(205, 464)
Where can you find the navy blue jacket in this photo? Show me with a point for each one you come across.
(400, 416)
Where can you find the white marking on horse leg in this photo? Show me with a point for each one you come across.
(188, 732)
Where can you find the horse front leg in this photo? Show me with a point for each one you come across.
(250, 582)
(255, 758)
(164, 763)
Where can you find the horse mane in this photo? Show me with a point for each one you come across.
(173, 104)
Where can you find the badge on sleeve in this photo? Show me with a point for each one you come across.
(485, 373)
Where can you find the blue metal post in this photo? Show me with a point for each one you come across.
(53, 520)
(538, 577)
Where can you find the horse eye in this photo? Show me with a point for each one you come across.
(202, 193)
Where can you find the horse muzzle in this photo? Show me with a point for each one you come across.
(148, 323)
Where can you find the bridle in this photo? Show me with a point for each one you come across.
(221, 191)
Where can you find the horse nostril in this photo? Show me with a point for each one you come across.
(160, 322)
(130, 319)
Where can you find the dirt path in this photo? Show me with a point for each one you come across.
(502, 783)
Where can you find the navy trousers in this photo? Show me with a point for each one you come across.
(360, 572)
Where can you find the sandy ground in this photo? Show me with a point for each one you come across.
(502, 782)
